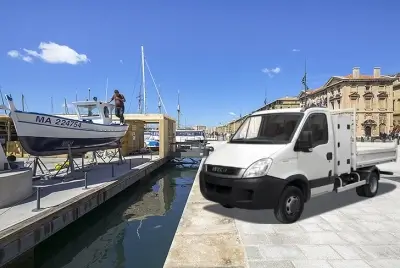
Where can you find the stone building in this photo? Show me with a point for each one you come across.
(371, 95)
(281, 103)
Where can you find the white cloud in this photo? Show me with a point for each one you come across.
(51, 53)
(271, 72)
(295, 50)
(232, 113)
(16, 54)
(57, 54)
(121, 61)
(27, 58)
(13, 53)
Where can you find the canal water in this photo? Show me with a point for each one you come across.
(134, 229)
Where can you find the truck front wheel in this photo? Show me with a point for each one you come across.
(290, 205)
(371, 188)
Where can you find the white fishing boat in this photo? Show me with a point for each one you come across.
(44, 134)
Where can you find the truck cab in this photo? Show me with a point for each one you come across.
(279, 159)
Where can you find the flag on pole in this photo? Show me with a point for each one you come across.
(304, 81)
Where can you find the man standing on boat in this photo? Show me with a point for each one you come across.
(119, 100)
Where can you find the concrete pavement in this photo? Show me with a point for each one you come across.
(335, 231)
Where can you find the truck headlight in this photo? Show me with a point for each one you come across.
(258, 168)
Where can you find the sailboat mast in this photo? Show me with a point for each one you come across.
(178, 109)
(52, 105)
(143, 82)
(159, 103)
(23, 102)
(107, 90)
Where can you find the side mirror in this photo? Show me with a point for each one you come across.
(304, 142)
(210, 148)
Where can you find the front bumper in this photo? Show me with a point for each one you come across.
(248, 193)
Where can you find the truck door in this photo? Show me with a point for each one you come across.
(318, 164)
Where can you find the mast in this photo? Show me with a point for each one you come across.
(89, 93)
(52, 105)
(65, 106)
(178, 109)
(143, 82)
(2, 99)
(23, 102)
(76, 95)
(107, 89)
(159, 103)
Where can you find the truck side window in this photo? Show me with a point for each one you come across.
(318, 124)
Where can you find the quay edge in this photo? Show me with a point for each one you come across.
(205, 239)
(21, 237)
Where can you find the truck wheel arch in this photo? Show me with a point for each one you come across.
(302, 183)
(366, 172)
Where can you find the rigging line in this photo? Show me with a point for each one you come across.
(134, 88)
(155, 85)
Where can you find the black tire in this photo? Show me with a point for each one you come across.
(226, 206)
(282, 210)
(370, 189)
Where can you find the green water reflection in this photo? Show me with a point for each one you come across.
(135, 229)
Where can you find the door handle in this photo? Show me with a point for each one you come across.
(329, 156)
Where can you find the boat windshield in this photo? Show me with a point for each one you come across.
(274, 128)
(88, 110)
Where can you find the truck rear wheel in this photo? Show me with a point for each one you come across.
(290, 205)
(371, 188)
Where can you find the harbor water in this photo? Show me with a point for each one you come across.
(133, 229)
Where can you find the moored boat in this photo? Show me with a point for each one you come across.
(44, 134)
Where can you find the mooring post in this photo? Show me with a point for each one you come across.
(112, 170)
(37, 199)
(85, 178)
(130, 163)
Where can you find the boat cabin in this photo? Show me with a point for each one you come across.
(94, 111)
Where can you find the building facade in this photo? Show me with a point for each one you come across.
(281, 103)
(371, 95)
(199, 127)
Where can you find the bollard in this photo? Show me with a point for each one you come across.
(37, 200)
(151, 155)
(112, 170)
(85, 178)
(130, 163)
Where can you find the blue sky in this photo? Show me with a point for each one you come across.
(213, 52)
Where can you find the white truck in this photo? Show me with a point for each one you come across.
(279, 159)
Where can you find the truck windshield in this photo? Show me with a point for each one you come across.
(274, 128)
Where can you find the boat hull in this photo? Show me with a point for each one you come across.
(45, 135)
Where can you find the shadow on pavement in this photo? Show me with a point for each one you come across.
(314, 207)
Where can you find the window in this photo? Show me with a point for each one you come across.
(368, 103)
(273, 128)
(88, 110)
(106, 112)
(382, 103)
(318, 124)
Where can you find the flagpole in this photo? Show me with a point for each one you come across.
(305, 75)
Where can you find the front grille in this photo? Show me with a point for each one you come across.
(223, 170)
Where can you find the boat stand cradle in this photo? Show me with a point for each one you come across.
(72, 166)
